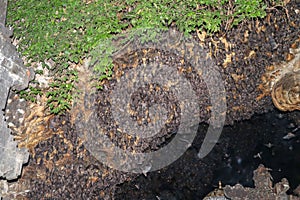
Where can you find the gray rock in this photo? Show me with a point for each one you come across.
(6, 32)
(13, 76)
(3, 8)
(12, 158)
(13, 72)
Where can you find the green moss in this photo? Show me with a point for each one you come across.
(65, 31)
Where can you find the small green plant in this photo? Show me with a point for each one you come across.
(60, 93)
(31, 93)
(66, 31)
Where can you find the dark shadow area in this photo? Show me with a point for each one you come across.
(240, 150)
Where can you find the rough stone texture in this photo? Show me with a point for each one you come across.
(13, 76)
(3, 7)
(12, 158)
(264, 189)
(7, 32)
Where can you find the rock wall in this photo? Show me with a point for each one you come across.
(13, 76)
(3, 6)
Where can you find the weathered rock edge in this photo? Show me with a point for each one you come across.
(13, 76)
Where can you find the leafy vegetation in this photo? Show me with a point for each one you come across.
(65, 31)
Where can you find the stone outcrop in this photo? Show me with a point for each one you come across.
(13, 76)
(264, 189)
